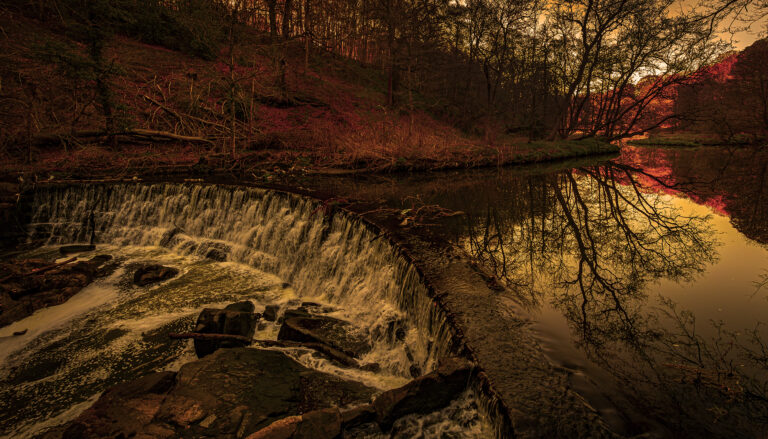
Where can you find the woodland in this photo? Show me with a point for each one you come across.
(367, 84)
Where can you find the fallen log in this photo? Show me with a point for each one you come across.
(38, 270)
(210, 337)
(42, 139)
(334, 354)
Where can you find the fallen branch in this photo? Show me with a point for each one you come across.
(181, 117)
(209, 337)
(38, 270)
(165, 134)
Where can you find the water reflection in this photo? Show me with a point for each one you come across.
(640, 273)
(592, 244)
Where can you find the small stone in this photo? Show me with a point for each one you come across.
(149, 274)
(22, 332)
(205, 423)
(371, 367)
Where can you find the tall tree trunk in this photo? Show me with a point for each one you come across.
(103, 93)
(390, 67)
(287, 19)
(272, 8)
(307, 33)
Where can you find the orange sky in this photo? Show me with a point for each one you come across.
(742, 39)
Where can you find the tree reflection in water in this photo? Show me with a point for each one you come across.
(591, 242)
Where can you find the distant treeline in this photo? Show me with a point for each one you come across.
(729, 98)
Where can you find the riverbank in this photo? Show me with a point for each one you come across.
(96, 161)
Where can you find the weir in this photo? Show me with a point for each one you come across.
(331, 256)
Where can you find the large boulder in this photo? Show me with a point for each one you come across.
(235, 319)
(426, 393)
(232, 393)
(329, 331)
(149, 274)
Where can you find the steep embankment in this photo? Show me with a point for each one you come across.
(246, 111)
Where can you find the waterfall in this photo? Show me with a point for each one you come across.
(334, 257)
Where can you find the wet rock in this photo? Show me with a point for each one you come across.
(168, 236)
(216, 255)
(424, 394)
(109, 267)
(217, 251)
(235, 319)
(76, 248)
(358, 415)
(149, 274)
(291, 313)
(270, 313)
(244, 306)
(280, 429)
(371, 367)
(316, 308)
(32, 284)
(329, 331)
(319, 424)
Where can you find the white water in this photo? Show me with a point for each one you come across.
(270, 238)
(336, 260)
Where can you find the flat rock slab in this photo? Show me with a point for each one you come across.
(329, 331)
(229, 394)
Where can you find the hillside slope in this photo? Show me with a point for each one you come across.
(247, 111)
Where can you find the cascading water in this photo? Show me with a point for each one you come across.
(279, 249)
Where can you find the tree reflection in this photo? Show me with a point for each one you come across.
(590, 242)
(595, 237)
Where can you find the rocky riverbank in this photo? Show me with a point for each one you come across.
(27, 285)
(245, 392)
